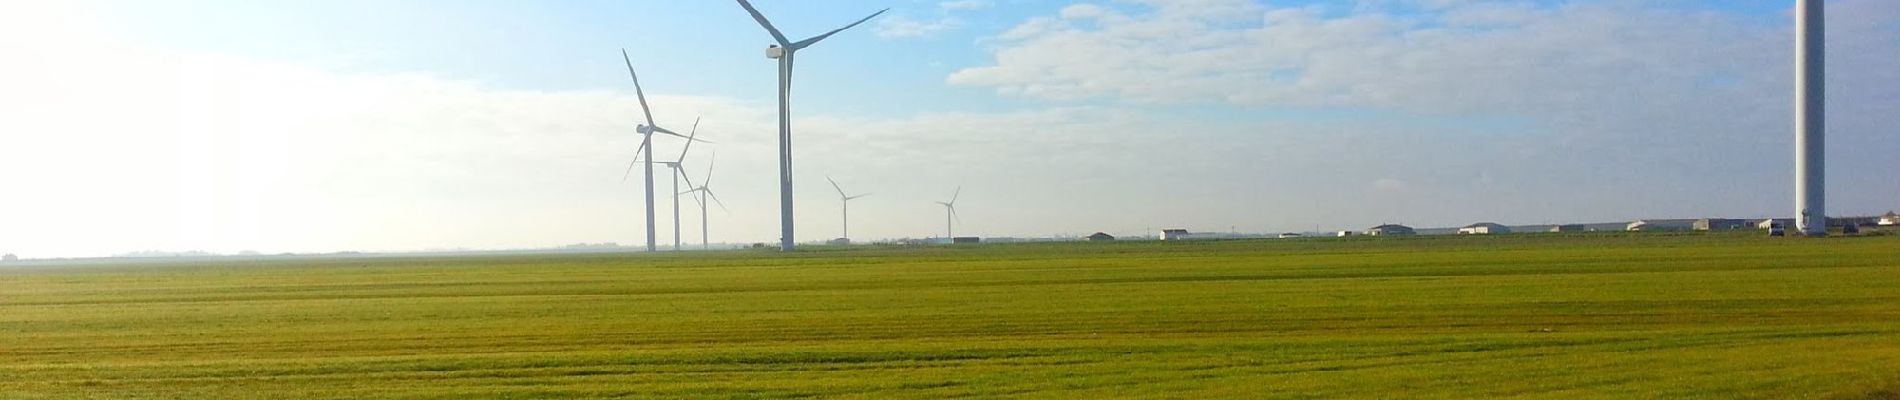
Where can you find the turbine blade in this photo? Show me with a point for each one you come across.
(689, 139)
(681, 169)
(834, 185)
(953, 196)
(953, 214)
(636, 161)
(714, 157)
(814, 39)
(767, 24)
(715, 199)
(856, 197)
(637, 91)
(678, 135)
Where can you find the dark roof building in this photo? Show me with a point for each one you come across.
(1719, 224)
(1567, 228)
(1661, 225)
(1484, 228)
(1100, 237)
(1391, 229)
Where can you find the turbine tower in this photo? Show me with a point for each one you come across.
(704, 192)
(1810, 118)
(646, 145)
(784, 52)
(950, 213)
(846, 199)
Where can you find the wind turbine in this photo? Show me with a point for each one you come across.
(784, 52)
(846, 199)
(679, 171)
(705, 192)
(950, 213)
(646, 145)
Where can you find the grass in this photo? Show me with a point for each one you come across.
(1516, 316)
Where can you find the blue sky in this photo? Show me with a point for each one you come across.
(561, 45)
(573, 45)
(405, 125)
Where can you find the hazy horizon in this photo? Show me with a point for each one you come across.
(306, 126)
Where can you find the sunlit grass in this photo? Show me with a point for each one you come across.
(1540, 316)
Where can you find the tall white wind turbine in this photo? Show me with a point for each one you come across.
(703, 193)
(784, 52)
(846, 199)
(646, 144)
(950, 215)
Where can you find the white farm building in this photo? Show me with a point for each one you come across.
(1484, 228)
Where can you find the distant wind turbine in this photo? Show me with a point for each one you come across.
(646, 145)
(846, 199)
(950, 213)
(784, 52)
(704, 192)
(679, 171)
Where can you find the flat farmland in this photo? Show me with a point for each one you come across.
(1513, 316)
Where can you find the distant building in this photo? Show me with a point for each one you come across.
(9, 258)
(1660, 225)
(1772, 223)
(839, 242)
(1289, 235)
(1859, 221)
(1174, 234)
(1391, 229)
(1718, 224)
(965, 239)
(1565, 228)
(1345, 233)
(1890, 219)
(1484, 228)
(1100, 237)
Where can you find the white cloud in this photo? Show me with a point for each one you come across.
(1644, 95)
(901, 27)
(1469, 57)
(905, 27)
(204, 151)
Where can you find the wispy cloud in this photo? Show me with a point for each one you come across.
(901, 27)
(1686, 94)
(906, 27)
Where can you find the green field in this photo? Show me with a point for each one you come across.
(1516, 316)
